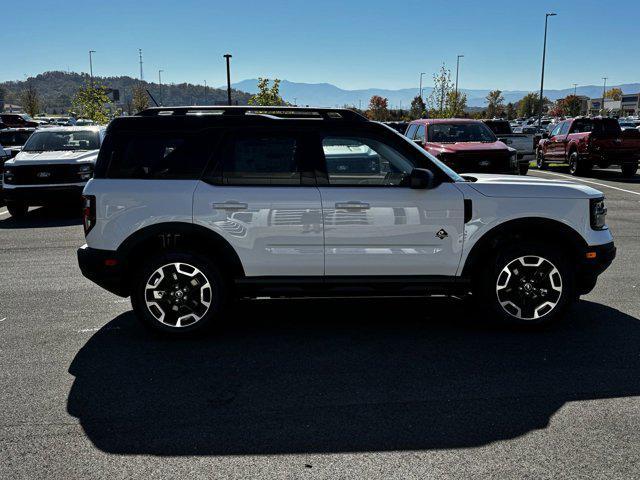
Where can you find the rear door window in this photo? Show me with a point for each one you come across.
(261, 158)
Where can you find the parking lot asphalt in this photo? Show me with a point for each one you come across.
(419, 388)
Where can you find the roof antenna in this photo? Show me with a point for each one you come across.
(151, 96)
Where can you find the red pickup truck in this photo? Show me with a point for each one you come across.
(582, 143)
(465, 146)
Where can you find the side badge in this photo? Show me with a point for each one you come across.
(442, 234)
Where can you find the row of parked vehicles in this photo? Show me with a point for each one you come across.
(51, 163)
(186, 208)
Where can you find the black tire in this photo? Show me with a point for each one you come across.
(17, 209)
(523, 168)
(518, 293)
(540, 160)
(629, 169)
(577, 166)
(161, 316)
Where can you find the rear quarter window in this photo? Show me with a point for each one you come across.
(155, 156)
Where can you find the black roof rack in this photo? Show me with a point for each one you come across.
(269, 112)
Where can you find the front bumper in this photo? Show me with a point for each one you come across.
(42, 195)
(604, 256)
(104, 268)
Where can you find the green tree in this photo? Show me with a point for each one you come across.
(30, 100)
(140, 99)
(495, 104)
(442, 86)
(511, 111)
(528, 105)
(91, 102)
(3, 94)
(613, 93)
(456, 106)
(418, 108)
(378, 108)
(267, 95)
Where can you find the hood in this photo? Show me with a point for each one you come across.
(50, 158)
(468, 146)
(515, 186)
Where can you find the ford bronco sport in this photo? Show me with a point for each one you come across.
(192, 206)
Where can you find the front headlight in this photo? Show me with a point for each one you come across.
(85, 171)
(598, 213)
(8, 175)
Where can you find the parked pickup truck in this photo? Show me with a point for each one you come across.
(522, 142)
(465, 146)
(581, 143)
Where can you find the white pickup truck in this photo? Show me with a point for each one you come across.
(522, 142)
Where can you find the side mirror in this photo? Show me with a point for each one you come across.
(421, 178)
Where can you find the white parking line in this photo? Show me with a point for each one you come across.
(587, 181)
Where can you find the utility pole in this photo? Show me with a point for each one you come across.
(228, 58)
(455, 105)
(160, 83)
(205, 92)
(420, 93)
(575, 87)
(91, 65)
(140, 54)
(604, 92)
(544, 53)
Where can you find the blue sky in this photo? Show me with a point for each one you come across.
(350, 43)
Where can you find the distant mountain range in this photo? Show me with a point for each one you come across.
(328, 95)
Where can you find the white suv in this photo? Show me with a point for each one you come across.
(192, 206)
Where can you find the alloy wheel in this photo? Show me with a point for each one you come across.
(529, 287)
(178, 295)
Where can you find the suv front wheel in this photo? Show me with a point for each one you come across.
(178, 293)
(526, 285)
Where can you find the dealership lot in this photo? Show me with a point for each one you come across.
(318, 389)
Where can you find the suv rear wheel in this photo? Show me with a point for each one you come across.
(526, 285)
(178, 293)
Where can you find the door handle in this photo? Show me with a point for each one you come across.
(353, 205)
(229, 205)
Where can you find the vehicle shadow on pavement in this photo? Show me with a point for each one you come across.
(44, 217)
(613, 176)
(344, 376)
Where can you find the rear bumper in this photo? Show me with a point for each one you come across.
(103, 267)
(43, 195)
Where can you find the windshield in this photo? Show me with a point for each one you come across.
(56, 141)
(460, 132)
(13, 139)
(26, 117)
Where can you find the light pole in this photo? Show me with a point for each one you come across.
(575, 87)
(228, 57)
(455, 106)
(140, 55)
(160, 83)
(421, 74)
(604, 92)
(544, 54)
(205, 91)
(91, 52)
